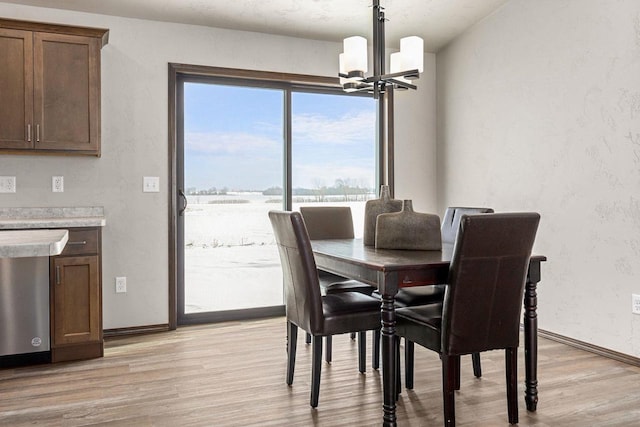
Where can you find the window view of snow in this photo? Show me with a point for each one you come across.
(234, 174)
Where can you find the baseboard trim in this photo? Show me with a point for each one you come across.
(601, 351)
(135, 330)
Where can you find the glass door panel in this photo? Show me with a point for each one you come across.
(233, 166)
(333, 152)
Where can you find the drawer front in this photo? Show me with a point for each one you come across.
(82, 242)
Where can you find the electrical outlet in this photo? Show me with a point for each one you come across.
(635, 303)
(57, 184)
(150, 184)
(7, 184)
(121, 285)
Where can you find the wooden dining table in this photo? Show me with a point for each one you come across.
(390, 270)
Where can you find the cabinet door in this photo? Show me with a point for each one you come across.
(66, 92)
(76, 300)
(16, 89)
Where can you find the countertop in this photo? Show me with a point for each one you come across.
(32, 243)
(63, 217)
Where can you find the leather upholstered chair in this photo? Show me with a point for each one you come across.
(451, 221)
(483, 302)
(306, 308)
(332, 222)
(336, 222)
(422, 295)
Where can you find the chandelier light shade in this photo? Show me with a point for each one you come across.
(405, 65)
(412, 50)
(396, 65)
(355, 57)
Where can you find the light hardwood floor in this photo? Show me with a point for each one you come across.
(233, 374)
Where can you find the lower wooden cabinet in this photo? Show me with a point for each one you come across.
(76, 298)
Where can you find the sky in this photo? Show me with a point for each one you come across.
(234, 138)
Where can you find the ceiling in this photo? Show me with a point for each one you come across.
(436, 21)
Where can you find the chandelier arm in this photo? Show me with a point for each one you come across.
(413, 74)
(402, 84)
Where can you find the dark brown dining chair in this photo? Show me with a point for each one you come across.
(336, 222)
(422, 295)
(332, 222)
(482, 304)
(306, 308)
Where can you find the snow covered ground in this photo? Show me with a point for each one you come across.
(231, 260)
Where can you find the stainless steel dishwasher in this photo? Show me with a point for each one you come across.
(24, 310)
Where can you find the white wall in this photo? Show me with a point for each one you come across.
(134, 142)
(539, 109)
(415, 141)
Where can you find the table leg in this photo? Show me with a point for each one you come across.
(388, 360)
(531, 336)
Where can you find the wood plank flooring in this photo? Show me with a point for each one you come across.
(233, 374)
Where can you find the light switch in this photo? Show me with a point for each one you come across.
(150, 184)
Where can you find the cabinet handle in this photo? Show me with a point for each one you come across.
(84, 242)
(37, 133)
(29, 132)
(57, 274)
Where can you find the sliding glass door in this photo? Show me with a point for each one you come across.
(245, 148)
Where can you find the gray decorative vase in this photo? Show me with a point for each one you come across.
(375, 207)
(408, 230)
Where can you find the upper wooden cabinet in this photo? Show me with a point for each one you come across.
(50, 88)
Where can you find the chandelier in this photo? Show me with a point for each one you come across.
(405, 65)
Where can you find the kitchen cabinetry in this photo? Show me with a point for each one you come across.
(76, 297)
(50, 86)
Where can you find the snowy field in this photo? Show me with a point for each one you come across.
(229, 246)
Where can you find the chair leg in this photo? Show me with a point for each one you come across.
(362, 351)
(292, 338)
(511, 362)
(448, 386)
(477, 368)
(328, 349)
(408, 363)
(308, 338)
(456, 385)
(316, 366)
(398, 376)
(375, 355)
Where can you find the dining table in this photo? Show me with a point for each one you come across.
(392, 269)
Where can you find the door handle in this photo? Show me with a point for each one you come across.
(29, 132)
(184, 206)
(57, 274)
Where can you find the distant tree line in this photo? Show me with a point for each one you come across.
(347, 188)
(342, 187)
(192, 191)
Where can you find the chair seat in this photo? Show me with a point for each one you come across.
(327, 278)
(420, 295)
(421, 324)
(349, 312)
(349, 286)
(348, 302)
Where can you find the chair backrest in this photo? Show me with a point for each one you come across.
(328, 222)
(482, 304)
(303, 301)
(451, 221)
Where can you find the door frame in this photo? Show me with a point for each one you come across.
(177, 72)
